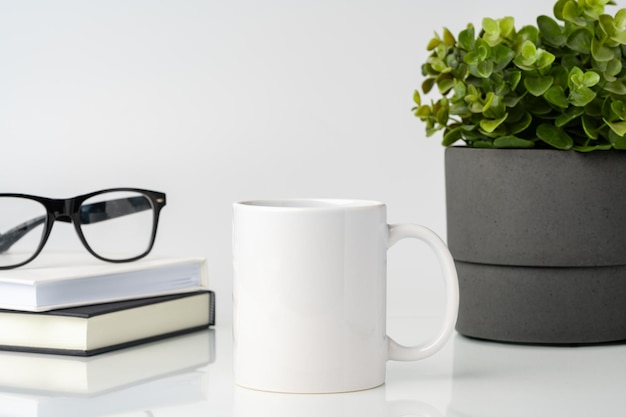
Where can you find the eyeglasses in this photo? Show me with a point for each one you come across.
(115, 225)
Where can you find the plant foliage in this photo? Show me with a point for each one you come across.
(560, 84)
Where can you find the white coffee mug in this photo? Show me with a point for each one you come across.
(309, 295)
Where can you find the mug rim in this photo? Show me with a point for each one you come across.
(310, 204)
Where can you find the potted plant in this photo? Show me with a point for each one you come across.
(536, 199)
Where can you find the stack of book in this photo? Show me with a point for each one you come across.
(73, 306)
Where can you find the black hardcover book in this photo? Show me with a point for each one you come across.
(96, 328)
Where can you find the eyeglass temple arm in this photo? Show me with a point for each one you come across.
(13, 235)
(89, 213)
(111, 209)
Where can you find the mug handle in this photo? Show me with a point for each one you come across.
(398, 352)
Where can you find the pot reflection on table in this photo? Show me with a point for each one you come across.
(496, 379)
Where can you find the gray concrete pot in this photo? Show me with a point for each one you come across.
(539, 241)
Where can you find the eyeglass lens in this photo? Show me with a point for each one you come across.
(22, 226)
(117, 225)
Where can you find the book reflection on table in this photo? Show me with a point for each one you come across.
(157, 374)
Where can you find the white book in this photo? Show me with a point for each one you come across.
(67, 280)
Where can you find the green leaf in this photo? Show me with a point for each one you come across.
(460, 91)
(606, 26)
(594, 109)
(416, 98)
(580, 40)
(502, 57)
(538, 85)
(593, 8)
(491, 30)
(569, 115)
(466, 38)
(600, 52)
(554, 136)
(618, 127)
(614, 67)
(529, 52)
(483, 50)
(619, 109)
(512, 142)
(489, 125)
(460, 71)
(427, 85)
(558, 9)
(430, 130)
(427, 69)
(437, 64)
(512, 100)
(488, 100)
(561, 76)
(616, 87)
(422, 112)
(572, 13)
(570, 61)
(590, 79)
(551, 31)
(468, 128)
(496, 108)
(619, 37)
(591, 148)
(576, 76)
(433, 43)
(590, 128)
(581, 96)
(442, 114)
(445, 83)
(544, 59)
(498, 85)
(490, 25)
(521, 124)
(530, 57)
(451, 136)
(539, 107)
(472, 96)
(527, 33)
(482, 144)
(513, 78)
(507, 26)
(516, 114)
(441, 51)
(620, 18)
(452, 62)
(448, 37)
(471, 58)
(607, 110)
(618, 142)
(485, 69)
(460, 109)
(556, 95)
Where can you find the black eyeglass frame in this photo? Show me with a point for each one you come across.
(68, 211)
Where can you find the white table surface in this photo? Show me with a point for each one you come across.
(466, 378)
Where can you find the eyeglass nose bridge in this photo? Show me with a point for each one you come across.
(62, 210)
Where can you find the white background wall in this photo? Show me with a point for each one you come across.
(214, 101)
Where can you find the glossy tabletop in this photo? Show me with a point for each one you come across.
(192, 376)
